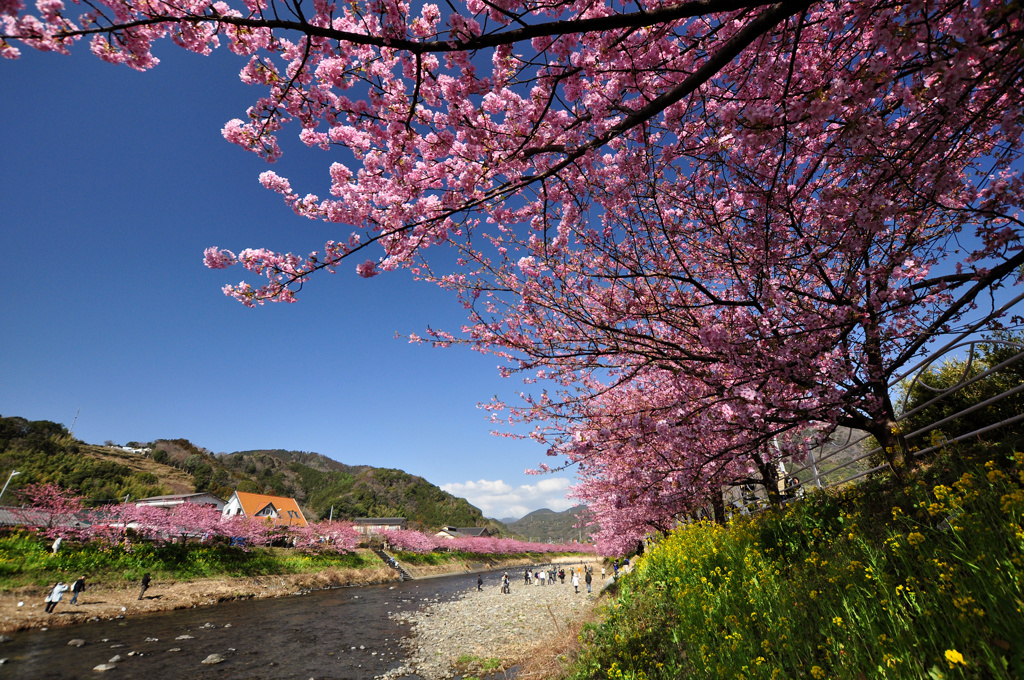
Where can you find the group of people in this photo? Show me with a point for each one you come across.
(56, 592)
(544, 576)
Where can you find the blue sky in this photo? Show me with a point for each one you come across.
(111, 184)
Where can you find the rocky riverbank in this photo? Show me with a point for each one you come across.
(489, 631)
(23, 608)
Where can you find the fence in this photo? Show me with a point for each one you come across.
(844, 462)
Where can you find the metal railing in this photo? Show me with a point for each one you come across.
(825, 468)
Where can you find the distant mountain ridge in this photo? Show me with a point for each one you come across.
(548, 526)
(317, 461)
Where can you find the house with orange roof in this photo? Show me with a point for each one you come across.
(280, 510)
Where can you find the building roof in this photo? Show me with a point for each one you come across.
(379, 520)
(473, 531)
(12, 516)
(254, 503)
(455, 532)
(179, 496)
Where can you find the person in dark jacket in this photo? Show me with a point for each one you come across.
(77, 588)
(588, 578)
(145, 584)
(479, 582)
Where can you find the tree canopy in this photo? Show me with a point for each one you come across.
(711, 224)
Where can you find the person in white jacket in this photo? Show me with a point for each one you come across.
(576, 581)
(54, 597)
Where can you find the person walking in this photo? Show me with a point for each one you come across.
(145, 584)
(576, 581)
(588, 578)
(56, 593)
(479, 582)
(526, 576)
(77, 588)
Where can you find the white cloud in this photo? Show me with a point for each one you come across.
(498, 499)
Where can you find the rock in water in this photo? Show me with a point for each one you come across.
(77, 642)
(213, 658)
(104, 667)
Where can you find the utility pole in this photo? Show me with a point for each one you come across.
(13, 473)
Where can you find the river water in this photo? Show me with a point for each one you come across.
(343, 634)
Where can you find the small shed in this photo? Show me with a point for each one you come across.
(374, 525)
(173, 500)
(462, 532)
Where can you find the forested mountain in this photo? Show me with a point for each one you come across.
(552, 527)
(44, 451)
(319, 483)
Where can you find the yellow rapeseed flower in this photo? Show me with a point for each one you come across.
(818, 674)
(954, 657)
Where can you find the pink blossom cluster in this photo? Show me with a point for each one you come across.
(416, 541)
(56, 512)
(708, 231)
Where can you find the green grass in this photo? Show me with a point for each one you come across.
(879, 581)
(25, 560)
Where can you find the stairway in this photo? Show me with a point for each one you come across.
(393, 563)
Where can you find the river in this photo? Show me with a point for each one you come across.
(343, 634)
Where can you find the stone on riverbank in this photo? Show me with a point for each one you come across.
(487, 628)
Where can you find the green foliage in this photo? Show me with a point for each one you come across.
(25, 559)
(928, 384)
(467, 663)
(873, 582)
(45, 452)
(248, 486)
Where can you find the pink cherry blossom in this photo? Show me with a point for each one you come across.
(706, 228)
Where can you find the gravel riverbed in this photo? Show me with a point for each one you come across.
(489, 625)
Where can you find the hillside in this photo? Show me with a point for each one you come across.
(552, 527)
(319, 483)
(44, 451)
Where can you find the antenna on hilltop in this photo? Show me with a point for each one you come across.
(71, 430)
